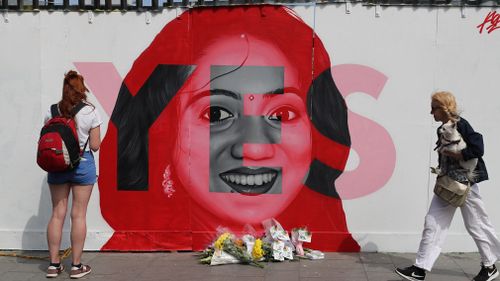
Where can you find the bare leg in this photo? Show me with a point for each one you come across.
(81, 197)
(59, 194)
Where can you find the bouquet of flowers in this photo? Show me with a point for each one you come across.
(227, 249)
(274, 245)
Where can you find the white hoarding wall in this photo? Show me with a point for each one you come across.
(391, 60)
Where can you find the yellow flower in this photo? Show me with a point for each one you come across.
(219, 243)
(257, 251)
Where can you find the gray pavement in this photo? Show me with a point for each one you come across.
(181, 266)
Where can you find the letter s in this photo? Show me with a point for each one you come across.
(371, 141)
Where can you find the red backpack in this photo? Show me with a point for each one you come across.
(58, 146)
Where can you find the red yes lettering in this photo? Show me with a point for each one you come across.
(370, 140)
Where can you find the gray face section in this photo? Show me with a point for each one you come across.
(247, 79)
(237, 83)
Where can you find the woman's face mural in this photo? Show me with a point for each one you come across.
(244, 145)
(236, 110)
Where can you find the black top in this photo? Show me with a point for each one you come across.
(474, 149)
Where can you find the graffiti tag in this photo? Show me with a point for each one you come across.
(492, 19)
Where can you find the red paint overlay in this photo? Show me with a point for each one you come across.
(329, 152)
(150, 220)
(492, 19)
(372, 142)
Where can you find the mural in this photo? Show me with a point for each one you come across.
(228, 118)
(196, 150)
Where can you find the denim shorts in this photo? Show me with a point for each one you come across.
(83, 174)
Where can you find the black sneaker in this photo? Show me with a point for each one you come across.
(411, 273)
(486, 273)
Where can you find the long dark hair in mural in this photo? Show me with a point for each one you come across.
(228, 118)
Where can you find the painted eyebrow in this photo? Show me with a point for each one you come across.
(270, 94)
(223, 92)
(208, 93)
(276, 92)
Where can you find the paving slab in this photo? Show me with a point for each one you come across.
(184, 266)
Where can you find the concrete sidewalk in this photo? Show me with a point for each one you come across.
(181, 266)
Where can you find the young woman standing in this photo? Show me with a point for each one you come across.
(78, 182)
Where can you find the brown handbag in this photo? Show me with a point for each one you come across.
(451, 191)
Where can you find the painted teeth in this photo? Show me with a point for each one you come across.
(259, 179)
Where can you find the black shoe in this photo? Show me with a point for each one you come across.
(486, 273)
(411, 273)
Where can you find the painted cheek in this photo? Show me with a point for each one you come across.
(223, 140)
(222, 159)
(193, 154)
(296, 146)
(296, 139)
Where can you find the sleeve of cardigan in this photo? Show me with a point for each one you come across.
(474, 140)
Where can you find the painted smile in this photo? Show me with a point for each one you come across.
(249, 181)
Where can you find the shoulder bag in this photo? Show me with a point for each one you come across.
(451, 191)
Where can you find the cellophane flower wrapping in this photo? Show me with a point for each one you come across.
(299, 236)
(277, 237)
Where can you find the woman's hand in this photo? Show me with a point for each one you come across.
(454, 155)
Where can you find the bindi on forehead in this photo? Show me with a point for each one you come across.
(252, 83)
(253, 104)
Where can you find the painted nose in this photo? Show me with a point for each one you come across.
(253, 151)
(257, 136)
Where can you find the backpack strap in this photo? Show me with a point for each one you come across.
(54, 110)
(77, 108)
(85, 146)
(75, 111)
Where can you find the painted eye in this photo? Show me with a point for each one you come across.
(284, 113)
(216, 114)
